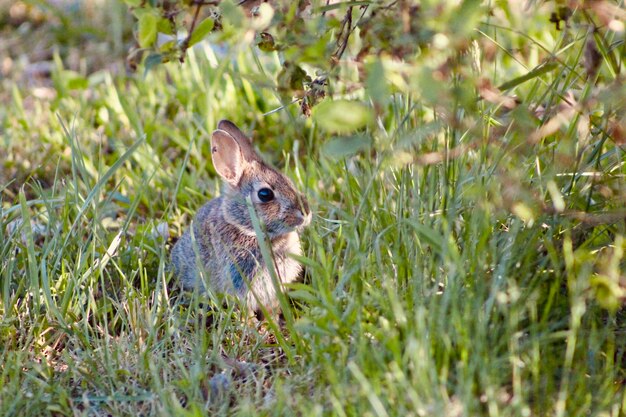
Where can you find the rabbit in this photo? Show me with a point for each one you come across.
(223, 252)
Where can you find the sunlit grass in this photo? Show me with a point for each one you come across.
(452, 268)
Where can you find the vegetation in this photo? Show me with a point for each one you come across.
(465, 162)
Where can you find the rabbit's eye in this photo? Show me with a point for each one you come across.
(265, 195)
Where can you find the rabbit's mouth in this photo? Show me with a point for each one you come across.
(294, 223)
(299, 220)
(305, 220)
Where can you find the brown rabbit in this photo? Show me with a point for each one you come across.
(223, 236)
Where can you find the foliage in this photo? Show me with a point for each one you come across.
(466, 165)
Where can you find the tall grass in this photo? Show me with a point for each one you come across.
(461, 261)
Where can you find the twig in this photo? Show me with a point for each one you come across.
(342, 39)
(344, 36)
(185, 44)
(280, 108)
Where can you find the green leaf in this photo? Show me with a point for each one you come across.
(524, 212)
(147, 30)
(266, 42)
(376, 83)
(341, 116)
(608, 292)
(432, 91)
(465, 19)
(151, 61)
(32, 271)
(165, 26)
(315, 53)
(341, 147)
(201, 31)
(536, 72)
(167, 46)
(231, 13)
(73, 80)
(416, 137)
(77, 83)
(339, 5)
(292, 77)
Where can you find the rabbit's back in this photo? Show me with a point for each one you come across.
(184, 261)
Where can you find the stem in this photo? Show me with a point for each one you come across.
(185, 44)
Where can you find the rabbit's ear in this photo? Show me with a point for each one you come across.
(245, 143)
(233, 130)
(227, 156)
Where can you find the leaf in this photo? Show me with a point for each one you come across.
(536, 72)
(152, 61)
(232, 14)
(306, 296)
(432, 91)
(376, 83)
(466, 17)
(74, 81)
(341, 147)
(338, 5)
(315, 53)
(165, 26)
(416, 137)
(292, 80)
(437, 242)
(201, 31)
(266, 42)
(524, 212)
(292, 77)
(147, 33)
(32, 271)
(167, 47)
(341, 116)
(608, 292)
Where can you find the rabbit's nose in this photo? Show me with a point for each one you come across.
(304, 206)
(304, 219)
(305, 212)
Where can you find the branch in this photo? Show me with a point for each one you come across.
(185, 44)
(344, 35)
(342, 38)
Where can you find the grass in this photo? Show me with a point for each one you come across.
(464, 259)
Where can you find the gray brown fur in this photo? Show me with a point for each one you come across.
(229, 257)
